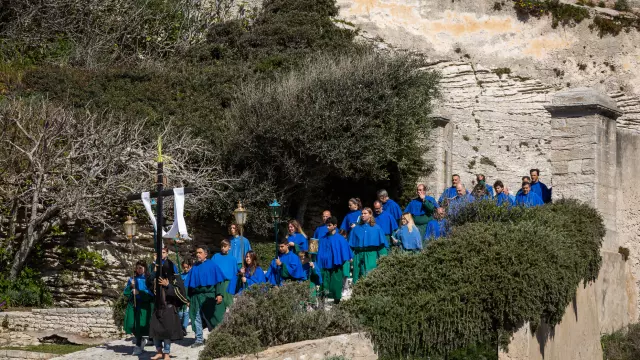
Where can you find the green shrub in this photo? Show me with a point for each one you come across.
(562, 13)
(622, 5)
(265, 252)
(498, 269)
(623, 344)
(118, 309)
(28, 290)
(264, 316)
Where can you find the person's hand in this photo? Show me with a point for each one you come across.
(134, 291)
(353, 225)
(395, 241)
(219, 299)
(242, 271)
(311, 264)
(244, 279)
(291, 243)
(163, 282)
(278, 262)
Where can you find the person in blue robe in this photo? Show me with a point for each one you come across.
(422, 209)
(525, 179)
(383, 219)
(240, 245)
(322, 230)
(528, 198)
(252, 273)
(334, 255)
(480, 193)
(450, 192)
(353, 216)
(206, 286)
(227, 263)
(184, 311)
(460, 201)
(390, 206)
(297, 238)
(286, 267)
(408, 235)
(481, 179)
(165, 256)
(312, 273)
(501, 197)
(140, 305)
(437, 227)
(538, 187)
(368, 243)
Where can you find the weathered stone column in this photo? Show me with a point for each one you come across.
(440, 143)
(583, 152)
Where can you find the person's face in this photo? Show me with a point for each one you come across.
(331, 227)
(440, 212)
(526, 188)
(479, 178)
(353, 206)
(534, 176)
(325, 216)
(233, 230)
(499, 189)
(404, 221)
(225, 249)
(377, 207)
(201, 255)
(421, 191)
(460, 191)
(303, 259)
(186, 267)
(283, 248)
(365, 216)
(291, 228)
(165, 253)
(139, 269)
(455, 180)
(247, 259)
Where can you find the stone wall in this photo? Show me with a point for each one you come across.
(23, 355)
(92, 323)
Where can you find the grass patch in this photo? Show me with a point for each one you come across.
(58, 349)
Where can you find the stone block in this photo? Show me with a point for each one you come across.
(581, 102)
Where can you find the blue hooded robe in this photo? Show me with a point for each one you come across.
(236, 242)
(457, 203)
(333, 251)
(448, 193)
(411, 240)
(256, 278)
(141, 285)
(386, 222)
(293, 269)
(227, 263)
(320, 231)
(416, 206)
(436, 229)
(312, 274)
(353, 217)
(393, 209)
(503, 198)
(300, 240)
(542, 190)
(206, 273)
(530, 200)
(365, 235)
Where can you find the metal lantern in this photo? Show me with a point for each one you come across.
(276, 209)
(240, 214)
(130, 227)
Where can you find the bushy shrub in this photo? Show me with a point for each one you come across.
(266, 252)
(623, 344)
(498, 269)
(28, 290)
(266, 316)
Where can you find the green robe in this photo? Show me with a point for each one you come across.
(136, 321)
(332, 280)
(204, 298)
(365, 259)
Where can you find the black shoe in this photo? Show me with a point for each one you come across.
(184, 332)
(197, 344)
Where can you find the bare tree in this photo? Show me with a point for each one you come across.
(62, 167)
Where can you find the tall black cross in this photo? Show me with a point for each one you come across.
(159, 194)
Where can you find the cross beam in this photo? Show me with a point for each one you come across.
(154, 194)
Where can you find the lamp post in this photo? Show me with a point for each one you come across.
(276, 212)
(130, 229)
(241, 218)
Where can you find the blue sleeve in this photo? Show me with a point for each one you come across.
(394, 225)
(345, 225)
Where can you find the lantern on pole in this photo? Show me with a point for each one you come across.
(241, 219)
(276, 212)
(130, 230)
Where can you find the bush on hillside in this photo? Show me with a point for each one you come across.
(623, 344)
(28, 290)
(266, 316)
(482, 282)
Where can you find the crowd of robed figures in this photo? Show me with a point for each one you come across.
(203, 291)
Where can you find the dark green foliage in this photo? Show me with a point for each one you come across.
(622, 5)
(498, 269)
(623, 344)
(562, 13)
(486, 161)
(614, 26)
(266, 316)
(265, 251)
(502, 71)
(118, 308)
(624, 252)
(28, 290)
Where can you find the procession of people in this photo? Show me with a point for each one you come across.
(203, 292)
